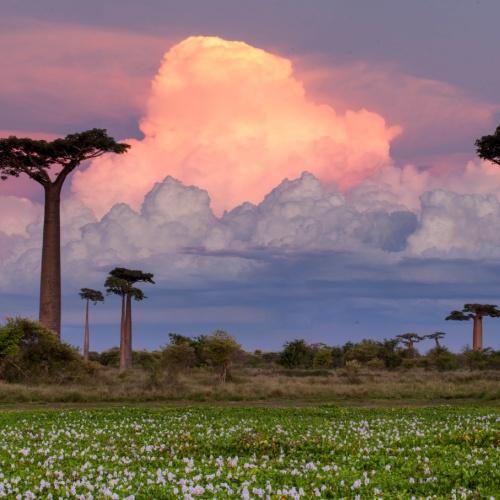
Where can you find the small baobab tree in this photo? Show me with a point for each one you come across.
(49, 163)
(121, 282)
(476, 312)
(94, 296)
(409, 339)
(436, 336)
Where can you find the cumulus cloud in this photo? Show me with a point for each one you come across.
(176, 232)
(457, 225)
(16, 214)
(235, 120)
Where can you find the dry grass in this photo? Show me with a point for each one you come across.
(265, 385)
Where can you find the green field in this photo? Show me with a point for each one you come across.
(324, 452)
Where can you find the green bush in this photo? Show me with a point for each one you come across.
(297, 353)
(442, 359)
(31, 353)
(487, 359)
(323, 358)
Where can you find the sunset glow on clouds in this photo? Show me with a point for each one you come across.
(235, 120)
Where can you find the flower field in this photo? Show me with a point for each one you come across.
(250, 453)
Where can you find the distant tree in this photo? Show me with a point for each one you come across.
(177, 357)
(436, 336)
(409, 340)
(323, 357)
(197, 343)
(389, 353)
(364, 351)
(476, 312)
(94, 296)
(121, 282)
(296, 353)
(49, 163)
(220, 349)
(488, 147)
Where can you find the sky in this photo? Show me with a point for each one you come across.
(297, 169)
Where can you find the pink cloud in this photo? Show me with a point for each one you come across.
(235, 120)
(438, 118)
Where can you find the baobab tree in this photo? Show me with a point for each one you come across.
(94, 296)
(121, 282)
(49, 163)
(436, 336)
(488, 147)
(409, 339)
(476, 312)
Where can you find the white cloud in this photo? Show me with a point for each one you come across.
(457, 225)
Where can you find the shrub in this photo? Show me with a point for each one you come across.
(220, 349)
(111, 357)
(482, 360)
(297, 353)
(177, 357)
(442, 359)
(29, 352)
(323, 358)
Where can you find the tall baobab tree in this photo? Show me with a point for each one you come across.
(488, 147)
(409, 339)
(94, 296)
(121, 282)
(436, 336)
(476, 312)
(49, 163)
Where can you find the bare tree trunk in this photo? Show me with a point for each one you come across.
(123, 363)
(50, 278)
(438, 345)
(128, 331)
(477, 333)
(86, 336)
(223, 373)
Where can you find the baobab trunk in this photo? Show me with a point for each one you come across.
(128, 332)
(123, 362)
(50, 278)
(477, 333)
(86, 335)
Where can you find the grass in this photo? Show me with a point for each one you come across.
(326, 452)
(254, 385)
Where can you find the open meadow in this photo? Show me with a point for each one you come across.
(326, 452)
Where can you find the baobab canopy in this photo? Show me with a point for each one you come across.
(35, 157)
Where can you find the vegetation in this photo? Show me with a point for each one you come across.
(476, 312)
(324, 452)
(94, 296)
(49, 163)
(488, 147)
(30, 352)
(220, 350)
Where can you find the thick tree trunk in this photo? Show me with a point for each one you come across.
(128, 332)
(477, 333)
(123, 362)
(86, 335)
(50, 279)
